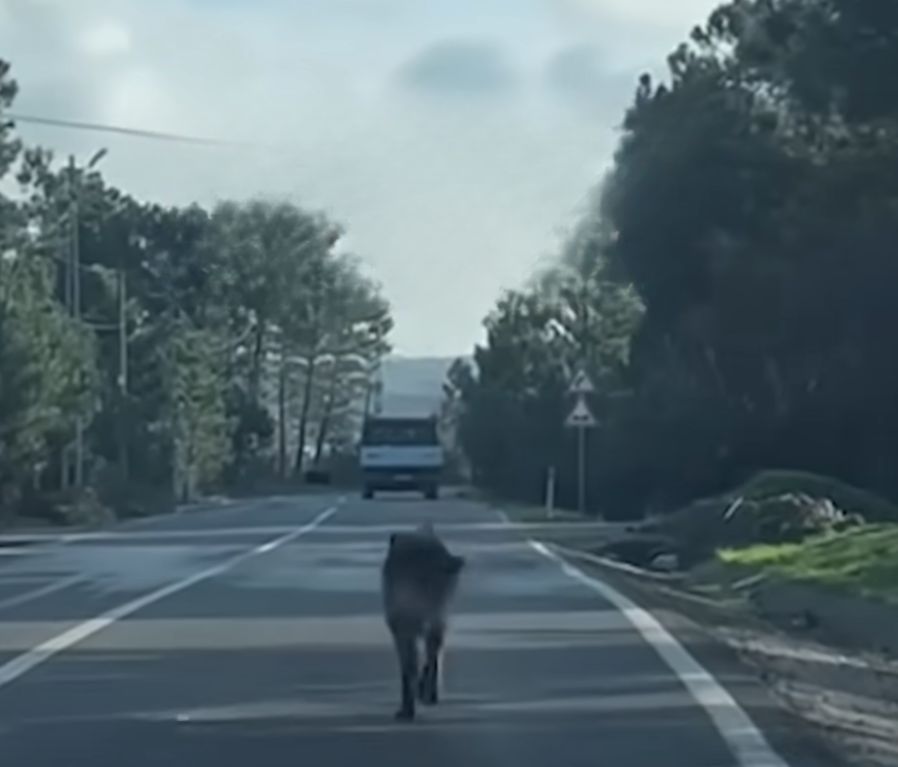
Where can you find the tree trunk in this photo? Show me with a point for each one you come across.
(282, 420)
(319, 440)
(255, 374)
(326, 417)
(304, 417)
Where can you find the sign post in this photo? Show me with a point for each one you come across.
(550, 493)
(581, 419)
(581, 470)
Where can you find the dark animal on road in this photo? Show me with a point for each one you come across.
(418, 580)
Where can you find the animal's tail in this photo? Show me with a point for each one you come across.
(455, 564)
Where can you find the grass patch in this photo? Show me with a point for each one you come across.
(863, 561)
(518, 513)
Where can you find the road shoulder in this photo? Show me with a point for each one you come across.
(811, 701)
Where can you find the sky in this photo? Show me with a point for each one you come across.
(456, 140)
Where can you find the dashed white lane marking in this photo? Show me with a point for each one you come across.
(43, 591)
(743, 737)
(25, 662)
(349, 530)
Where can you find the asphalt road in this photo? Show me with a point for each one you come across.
(251, 635)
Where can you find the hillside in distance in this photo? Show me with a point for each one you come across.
(414, 385)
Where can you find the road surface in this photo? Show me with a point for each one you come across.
(251, 635)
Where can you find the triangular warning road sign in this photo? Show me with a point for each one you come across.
(581, 384)
(581, 416)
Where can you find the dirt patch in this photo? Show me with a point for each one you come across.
(850, 700)
(840, 620)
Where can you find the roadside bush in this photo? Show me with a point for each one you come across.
(86, 510)
(733, 521)
(132, 497)
(852, 500)
(72, 508)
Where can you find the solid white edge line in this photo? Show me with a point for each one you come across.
(735, 726)
(22, 664)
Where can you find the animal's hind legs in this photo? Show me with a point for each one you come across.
(407, 650)
(429, 682)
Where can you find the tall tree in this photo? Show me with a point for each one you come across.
(44, 372)
(752, 206)
(46, 363)
(184, 312)
(345, 318)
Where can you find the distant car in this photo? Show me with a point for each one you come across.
(318, 477)
(401, 454)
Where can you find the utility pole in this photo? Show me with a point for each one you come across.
(75, 278)
(68, 282)
(75, 249)
(64, 476)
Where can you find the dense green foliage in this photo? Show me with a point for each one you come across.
(238, 324)
(753, 208)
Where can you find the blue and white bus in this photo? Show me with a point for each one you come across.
(401, 454)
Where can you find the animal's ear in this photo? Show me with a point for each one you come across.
(392, 539)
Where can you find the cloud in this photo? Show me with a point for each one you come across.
(106, 38)
(672, 14)
(447, 198)
(460, 67)
(580, 78)
(632, 33)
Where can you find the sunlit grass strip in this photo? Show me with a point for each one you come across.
(863, 560)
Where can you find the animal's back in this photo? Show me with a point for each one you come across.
(418, 578)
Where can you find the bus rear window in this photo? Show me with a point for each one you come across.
(400, 433)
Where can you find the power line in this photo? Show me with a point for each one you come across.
(122, 130)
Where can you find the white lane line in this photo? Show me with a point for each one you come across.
(125, 527)
(23, 663)
(231, 532)
(462, 527)
(745, 740)
(43, 591)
